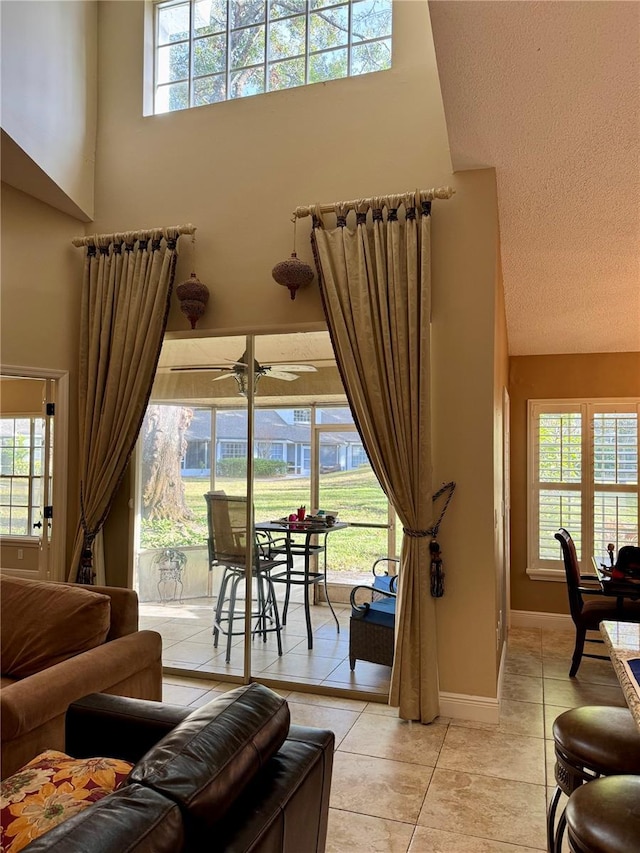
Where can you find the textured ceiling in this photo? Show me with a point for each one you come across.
(548, 93)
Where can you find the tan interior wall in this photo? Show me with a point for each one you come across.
(49, 89)
(553, 377)
(41, 278)
(238, 169)
(465, 235)
(501, 382)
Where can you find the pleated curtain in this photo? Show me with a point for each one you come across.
(125, 303)
(376, 291)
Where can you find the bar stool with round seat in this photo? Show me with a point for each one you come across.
(590, 742)
(604, 816)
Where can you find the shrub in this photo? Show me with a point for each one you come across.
(236, 467)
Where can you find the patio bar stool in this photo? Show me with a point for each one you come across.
(604, 816)
(590, 742)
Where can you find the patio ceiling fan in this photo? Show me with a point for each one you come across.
(238, 370)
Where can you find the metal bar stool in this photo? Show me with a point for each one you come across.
(604, 816)
(591, 741)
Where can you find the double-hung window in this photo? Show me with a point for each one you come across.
(207, 51)
(21, 463)
(583, 476)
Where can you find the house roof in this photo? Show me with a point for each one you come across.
(269, 426)
(549, 94)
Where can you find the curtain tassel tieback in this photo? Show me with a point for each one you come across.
(436, 570)
(416, 534)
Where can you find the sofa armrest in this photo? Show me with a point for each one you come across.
(118, 727)
(33, 701)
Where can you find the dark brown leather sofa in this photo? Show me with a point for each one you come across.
(229, 777)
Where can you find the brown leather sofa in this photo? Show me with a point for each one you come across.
(60, 642)
(232, 776)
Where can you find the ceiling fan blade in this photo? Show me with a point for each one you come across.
(296, 368)
(225, 375)
(278, 374)
(194, 368)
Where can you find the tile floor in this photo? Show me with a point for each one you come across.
(455, 786)
(186, 630)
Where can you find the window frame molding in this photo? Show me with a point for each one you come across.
(545, 570)
(151, 46)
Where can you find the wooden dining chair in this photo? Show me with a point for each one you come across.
(587, 615)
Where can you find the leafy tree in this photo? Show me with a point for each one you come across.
(287, 43)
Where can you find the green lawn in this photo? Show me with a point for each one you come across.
(355, 494)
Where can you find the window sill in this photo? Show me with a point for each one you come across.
(555, 575)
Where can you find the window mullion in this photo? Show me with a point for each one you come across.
(588, 477)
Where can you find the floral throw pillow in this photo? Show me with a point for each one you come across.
(50, 788)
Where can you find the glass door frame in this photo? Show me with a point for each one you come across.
(316, 430)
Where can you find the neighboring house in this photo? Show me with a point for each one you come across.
(280, 434)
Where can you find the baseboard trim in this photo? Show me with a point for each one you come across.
(534, 619)
(460, 706)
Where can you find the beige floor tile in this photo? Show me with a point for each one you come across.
(550, 760)
(521, 688)
(506, 756)
(525, 718)
(291, 666)
(327, 701)
(188, 653)
(358, 833)
(361, 688)
(371, 674)
(319, 716)
(591, 671)
(381, 710)
(486, 807)
(523, 663)
(174, 694)
(526, 639)
(571, 693)
(180, 631)
(550, 713)
(438, 841)
(188, 681)
(328, 648)
(386, 737)
(378, 787)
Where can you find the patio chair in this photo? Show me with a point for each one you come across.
(226, 518)
(373, 617)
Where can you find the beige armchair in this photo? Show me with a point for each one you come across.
(60, 642)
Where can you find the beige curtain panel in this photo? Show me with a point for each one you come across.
(376, 289)
(125, 302)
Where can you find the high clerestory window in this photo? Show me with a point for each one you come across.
(208, 51)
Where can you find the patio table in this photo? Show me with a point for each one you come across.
(306, 549)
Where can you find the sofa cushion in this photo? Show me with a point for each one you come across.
(133, 819)
(42, 624)
(209, 757)
(51, 788)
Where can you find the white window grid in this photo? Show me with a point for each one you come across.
(20, 492)
(593, 508)
(266, 63)
(302, 416)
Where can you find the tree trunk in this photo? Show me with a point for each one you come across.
(164, 446)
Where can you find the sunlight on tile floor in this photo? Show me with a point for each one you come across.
(455, 786)
(186, 630)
